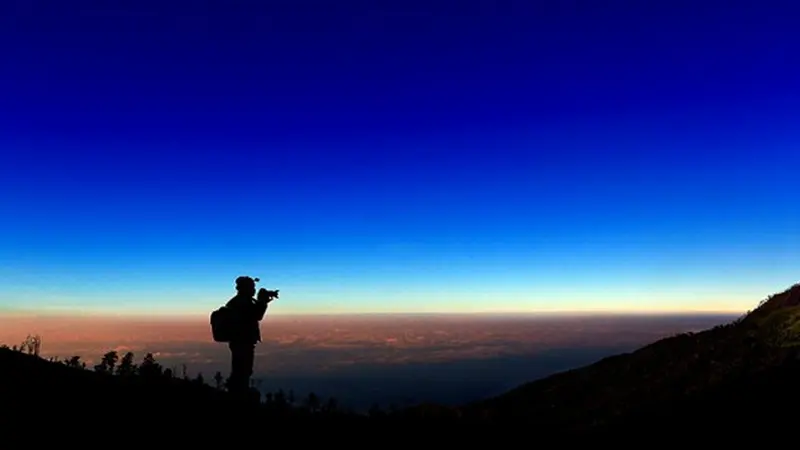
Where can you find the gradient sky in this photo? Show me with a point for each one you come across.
(368, 156)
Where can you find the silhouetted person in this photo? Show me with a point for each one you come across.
(245, 313)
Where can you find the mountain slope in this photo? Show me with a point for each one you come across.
(670, 376)
(31, 386)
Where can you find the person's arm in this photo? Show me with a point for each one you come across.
(260, 306)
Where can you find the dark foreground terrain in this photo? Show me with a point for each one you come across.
(735, 380)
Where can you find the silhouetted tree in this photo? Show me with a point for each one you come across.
(126, 365)
(149, 367)
(185, 372)
(110, 360)
(219, 380)
(312, 402)
(199, 378)
(331, 405)
(75, 362)
(169, 373)
(280, 400)
(31, 345)
(107, 363)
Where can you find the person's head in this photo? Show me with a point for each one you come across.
(246, 286)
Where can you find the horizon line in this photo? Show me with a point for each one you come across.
(489, 313)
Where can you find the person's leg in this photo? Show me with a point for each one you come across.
(248, 360)
(239, 380)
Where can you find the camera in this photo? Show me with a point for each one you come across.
(268, 294)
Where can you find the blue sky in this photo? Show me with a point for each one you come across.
(371, 157)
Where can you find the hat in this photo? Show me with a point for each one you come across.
(245, 281)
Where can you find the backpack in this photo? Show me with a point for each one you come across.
(221, 324)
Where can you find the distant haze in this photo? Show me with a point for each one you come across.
(388, 359)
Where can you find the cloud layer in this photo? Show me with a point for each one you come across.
(304, 345)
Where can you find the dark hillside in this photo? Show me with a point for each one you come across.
(51, 391)
(672, 379)
(36, 393)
